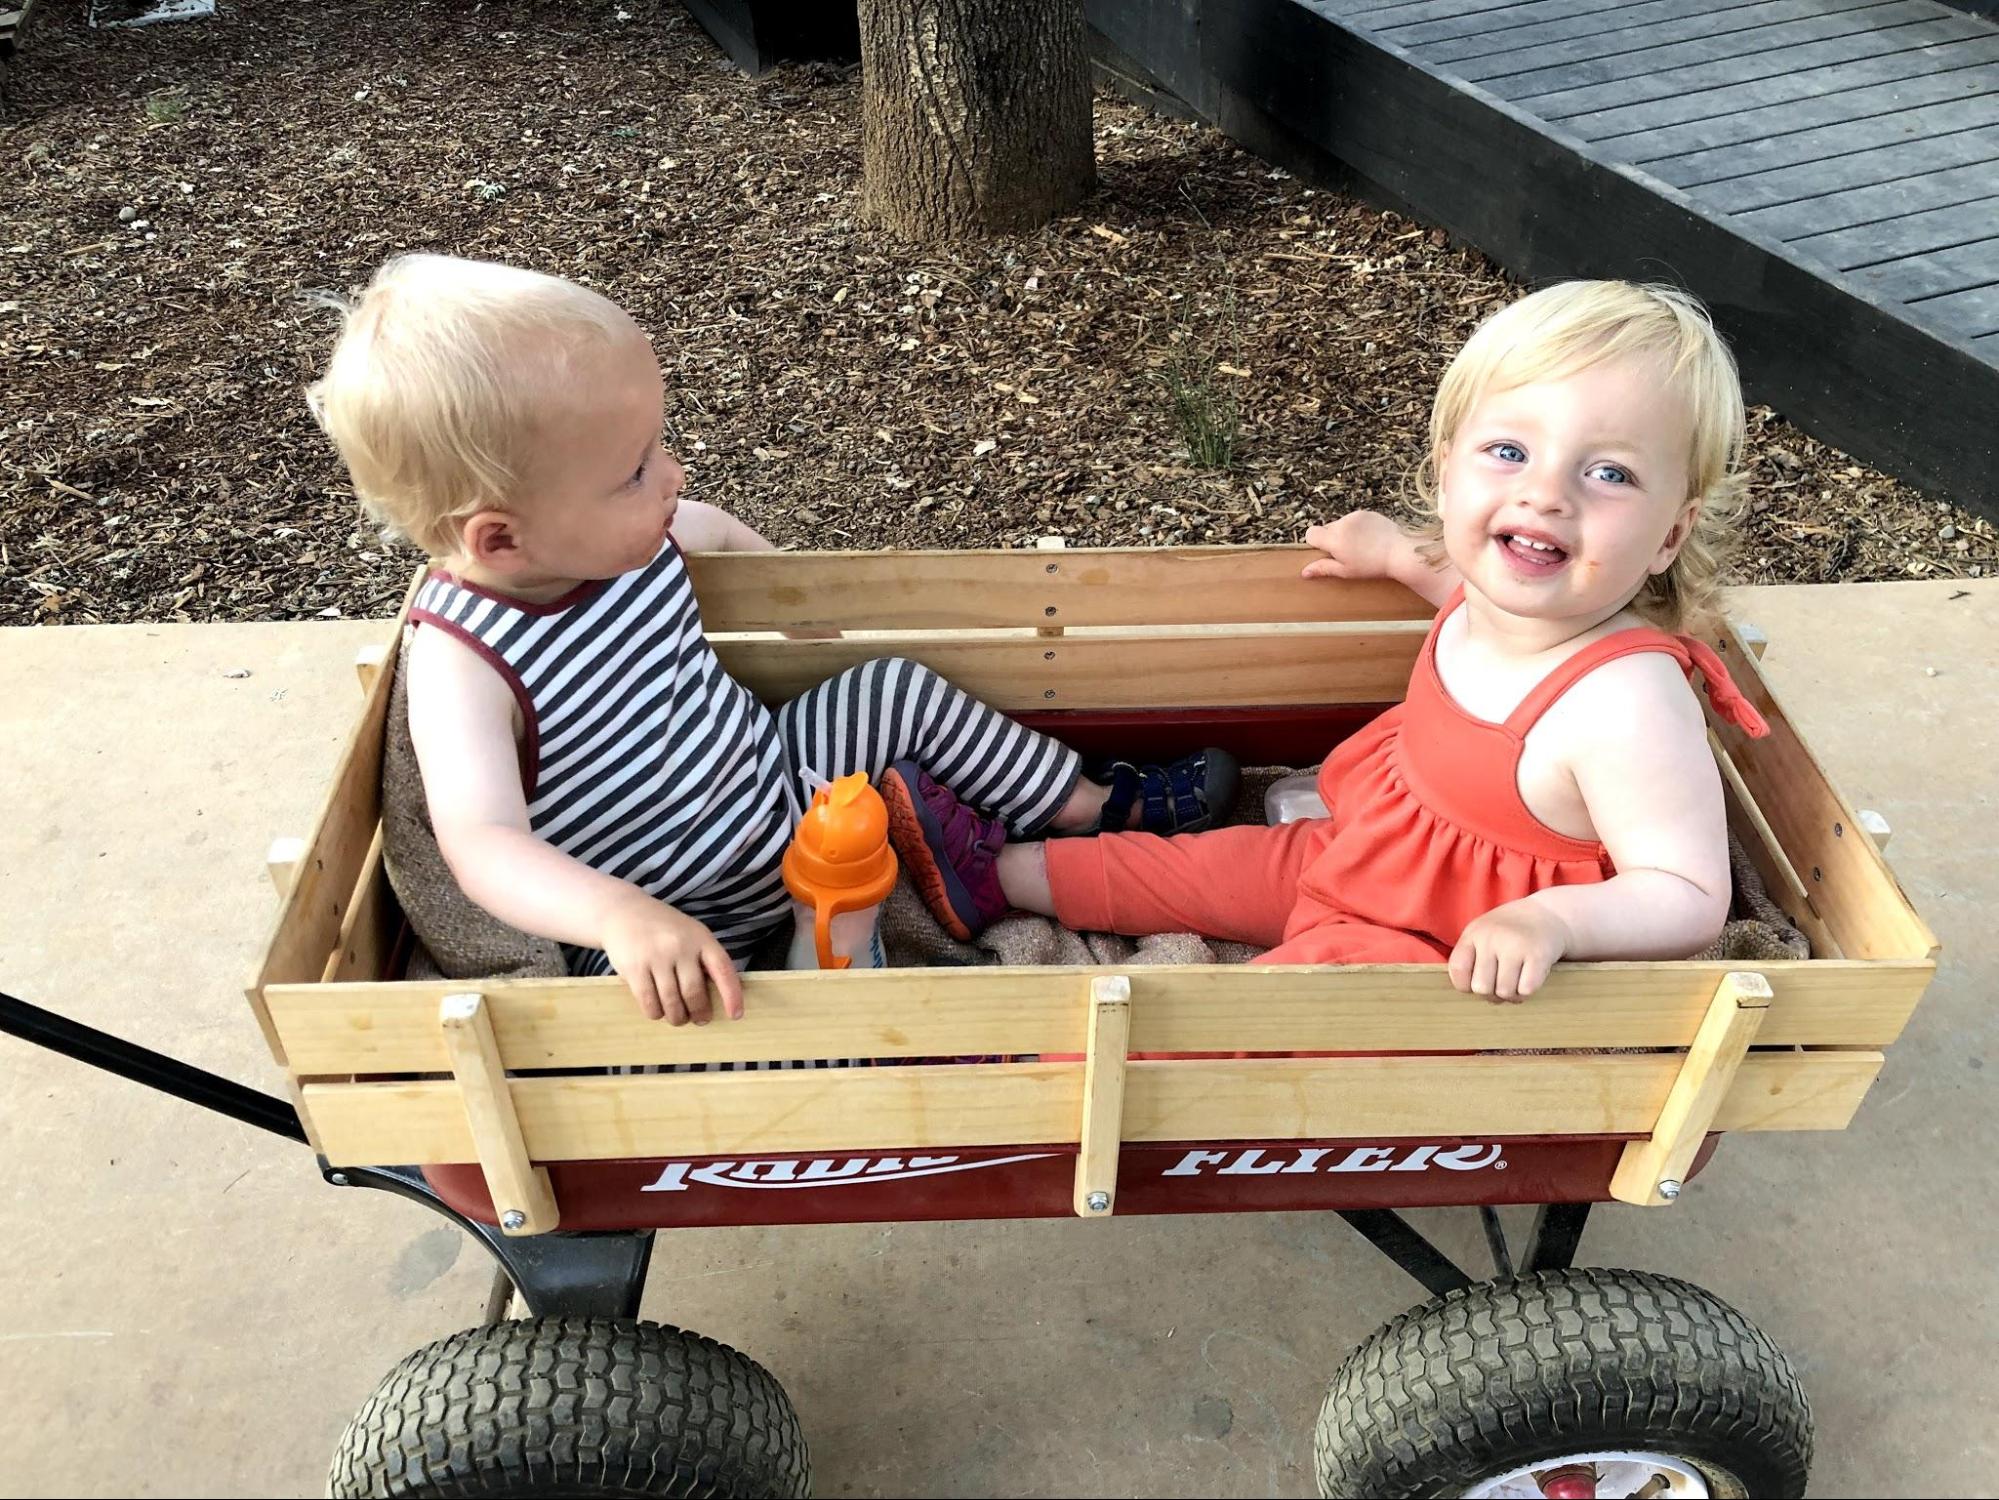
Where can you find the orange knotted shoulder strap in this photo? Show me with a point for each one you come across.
(1690, 653)
(1727, 698)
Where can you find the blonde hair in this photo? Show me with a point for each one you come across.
(1568, 327)
(442, 377)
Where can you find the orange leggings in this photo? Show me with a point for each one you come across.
(1246, 884)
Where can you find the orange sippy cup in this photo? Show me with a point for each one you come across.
(839, 869)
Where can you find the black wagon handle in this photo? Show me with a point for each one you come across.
(155, 1070)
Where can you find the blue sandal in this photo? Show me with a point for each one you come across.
(1185, 796)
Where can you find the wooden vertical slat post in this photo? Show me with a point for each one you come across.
(521, 1193)
(1103, 1095)
(1650, 1171)
(1050, 544)
(281, 861)
(369, 661)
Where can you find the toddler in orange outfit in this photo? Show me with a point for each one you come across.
(1545, 790)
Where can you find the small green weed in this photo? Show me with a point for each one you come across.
(167, 107)
(1210, 422)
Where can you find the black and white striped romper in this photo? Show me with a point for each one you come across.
(644, 759)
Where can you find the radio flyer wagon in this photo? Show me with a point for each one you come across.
(499, 1104)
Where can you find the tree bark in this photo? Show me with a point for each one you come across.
(975, 116)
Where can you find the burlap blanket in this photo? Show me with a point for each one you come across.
(461, 941)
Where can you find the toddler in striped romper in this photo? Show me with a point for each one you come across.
(593, 774)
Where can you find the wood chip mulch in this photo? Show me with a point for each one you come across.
(170, 196)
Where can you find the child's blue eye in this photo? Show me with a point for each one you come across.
(1611, 474)
(638, 475)
(1512, 453)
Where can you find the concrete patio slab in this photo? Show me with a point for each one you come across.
(186, 1309)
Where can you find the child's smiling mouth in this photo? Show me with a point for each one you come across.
(1531, 554)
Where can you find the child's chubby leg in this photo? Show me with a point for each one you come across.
(1348, 940)
(1233, 883)
(899, 721)
(1237, 884)
(1323, 929)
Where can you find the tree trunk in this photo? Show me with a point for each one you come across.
(975, 115)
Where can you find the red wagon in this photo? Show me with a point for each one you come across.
(1613, 1084)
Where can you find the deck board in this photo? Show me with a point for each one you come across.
(1412, 31)
(1845, 21)
(1827, 212)
(1657, 44)
(1904, 236)
(1783, 79)
(1808, 101)
(1975, 312)
(1919, 278)
(1883, 166)
(1672, 20)
(1826, 143)
(1403, 13)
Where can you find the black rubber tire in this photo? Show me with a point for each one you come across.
(574, 1407)
(1481, 1381)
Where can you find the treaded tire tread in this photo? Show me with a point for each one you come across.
(574, 1406)
(1499, 1374)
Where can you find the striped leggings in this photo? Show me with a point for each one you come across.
(891, 709)
(866, 719)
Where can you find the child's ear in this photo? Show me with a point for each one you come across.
(1683, 527)
(491, 538)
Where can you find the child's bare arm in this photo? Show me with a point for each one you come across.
(1653, 793)
(700, 527)
(1649, 782)
(704, 528)
(462, 727)
(1366, 544)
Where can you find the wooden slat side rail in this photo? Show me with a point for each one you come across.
(1222, 666)
(586, 1023)
(1109, 1033)
(323, 881)
(1758, 826)
(309, 919)
(1850, 884)
(368, 931)
(1759, 841)
(946, 1106)
(521, 1192)
(976, 590)
(1650, 1171)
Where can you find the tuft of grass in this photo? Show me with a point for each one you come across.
(1206, 413)
(167, 107)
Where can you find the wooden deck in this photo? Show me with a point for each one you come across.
(1824, 172)
(13, 17)
(1864, 134)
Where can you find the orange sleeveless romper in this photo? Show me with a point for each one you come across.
(1427, 833)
